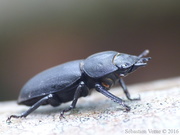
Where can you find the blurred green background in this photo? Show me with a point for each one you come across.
(36, 35)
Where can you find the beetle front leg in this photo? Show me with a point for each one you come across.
(118, 100)
(77, 94)
(123, 85)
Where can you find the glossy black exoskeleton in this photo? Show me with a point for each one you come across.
(75, 79)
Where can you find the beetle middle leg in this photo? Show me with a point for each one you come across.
(123, 85)
(51, 99)
(103, 91)
(81, 87)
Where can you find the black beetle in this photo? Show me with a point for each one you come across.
(71, 80)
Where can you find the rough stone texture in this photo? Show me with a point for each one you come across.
(158, 112)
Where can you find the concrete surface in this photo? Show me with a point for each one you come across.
(158, 112)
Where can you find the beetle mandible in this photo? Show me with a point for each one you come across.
(75, 79)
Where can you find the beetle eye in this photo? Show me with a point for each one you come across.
(125, 65)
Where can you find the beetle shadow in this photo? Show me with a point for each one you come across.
(82, 107)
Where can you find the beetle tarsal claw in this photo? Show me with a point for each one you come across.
(8, 120)
(12, 116)
(61, 115)
(127, 108)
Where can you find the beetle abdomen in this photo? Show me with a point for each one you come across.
(52, 80)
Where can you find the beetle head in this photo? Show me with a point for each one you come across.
(128, 63)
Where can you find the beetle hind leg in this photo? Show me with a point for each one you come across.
(47, 99)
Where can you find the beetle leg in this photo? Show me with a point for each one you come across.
(118, 100)
(32, 108)
(123, 85)
(77, 94)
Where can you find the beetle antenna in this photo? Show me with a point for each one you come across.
(143, 54)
